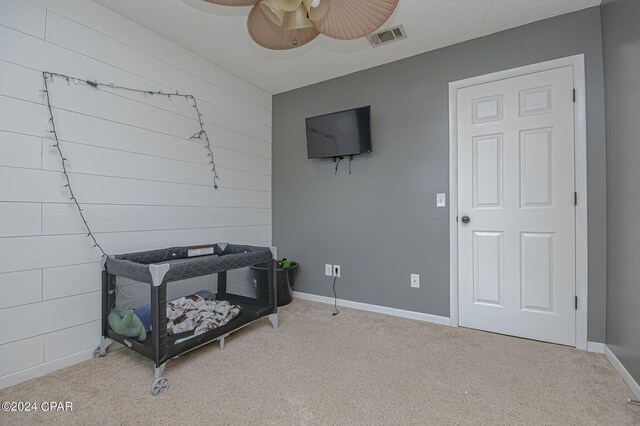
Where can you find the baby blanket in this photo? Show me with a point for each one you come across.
(196, 313)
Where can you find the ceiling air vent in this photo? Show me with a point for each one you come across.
(387, 36)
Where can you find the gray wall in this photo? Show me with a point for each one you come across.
(380, 223)
(621, 45)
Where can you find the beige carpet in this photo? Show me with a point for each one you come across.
(356, 368)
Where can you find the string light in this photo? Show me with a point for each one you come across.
(200, 135)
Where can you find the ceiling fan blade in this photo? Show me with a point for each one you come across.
(271, 36)
(351, 19)
(233, 2)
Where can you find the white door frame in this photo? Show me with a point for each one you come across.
(580, 126)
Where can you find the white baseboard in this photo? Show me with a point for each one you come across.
(628, 378)
(42, 369)
(595, 347)
(375, 308)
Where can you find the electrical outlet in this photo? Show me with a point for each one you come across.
(336, 271)
(415, 281)
(328, 270)
(441, 200)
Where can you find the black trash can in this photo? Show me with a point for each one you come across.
(284, 281)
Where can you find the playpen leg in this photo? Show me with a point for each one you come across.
(160, 384)
(159, 370)
(274, 320)
(101, 350)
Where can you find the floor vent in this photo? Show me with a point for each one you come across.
(387, 36)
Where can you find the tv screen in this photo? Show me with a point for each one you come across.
(339, 134)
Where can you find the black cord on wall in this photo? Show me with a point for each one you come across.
(338, 160)
(335, 298)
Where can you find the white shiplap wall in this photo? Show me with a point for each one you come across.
(142, 183)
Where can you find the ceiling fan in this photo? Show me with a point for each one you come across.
(287, 24)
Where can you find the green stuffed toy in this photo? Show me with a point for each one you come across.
(127, 323)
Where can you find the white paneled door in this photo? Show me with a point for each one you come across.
(516, 224)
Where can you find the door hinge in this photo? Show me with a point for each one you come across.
(574, 96)
(575, 198)
(456, 218)
(576, 302)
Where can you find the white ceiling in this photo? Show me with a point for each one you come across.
(219, 34)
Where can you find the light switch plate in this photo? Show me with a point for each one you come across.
(415, 281)
(441, 200)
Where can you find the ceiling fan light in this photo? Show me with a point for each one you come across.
(272, 10)
(308, 4)
(268, 35)
(318, 12)
(299, 19)
(289, 5)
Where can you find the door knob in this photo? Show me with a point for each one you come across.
(466, 219)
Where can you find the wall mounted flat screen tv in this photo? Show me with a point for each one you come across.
(339, 134)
